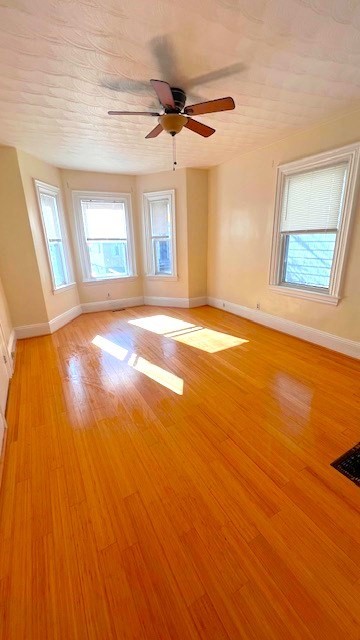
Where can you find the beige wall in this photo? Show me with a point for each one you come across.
(197, 228)
(18, 265)
(5, 319)
(162, 182)
(27, 280)
(241, 210)
(87, 181)
(32, 168)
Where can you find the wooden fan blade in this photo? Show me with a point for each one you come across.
(133, 113)
(155, 132)
(212, 106)
(163, 92)
(200, 128)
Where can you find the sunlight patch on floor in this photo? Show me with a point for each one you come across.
(152, 371)
(208, 340)
(192, 335)
(110, 347)
(161, 324)
(160, 375)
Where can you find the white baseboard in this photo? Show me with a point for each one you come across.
(32, 330)
(183, 303)
(45, 328)
(3, 435)
(64, 318)
(328, 340)
(111, 305)
(11, 346)
(156, 301)
(197, 302)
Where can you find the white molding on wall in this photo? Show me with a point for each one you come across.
(32, 330)
(64, 318)
(201, 301)
(46, 328)
(149, 261)
(327, 340)
(83, 254)
(3, 437)
(156, 301)
(11, 346)
(111, 305)
(11, 342)
(285, 290)
(183, 303)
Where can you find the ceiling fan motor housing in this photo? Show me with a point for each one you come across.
(179, 98)
(172, 121)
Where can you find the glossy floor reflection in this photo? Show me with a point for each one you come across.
(129, 510)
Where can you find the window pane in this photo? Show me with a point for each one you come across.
(50, 216)
(160, 218)
(104, 219)
(108, 259)
(53, 236)
(162, 256)
(57, 262)
(308, 259)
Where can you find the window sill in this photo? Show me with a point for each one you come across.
(162, 277)
(314, 296)
(65, 287)
(108, 280)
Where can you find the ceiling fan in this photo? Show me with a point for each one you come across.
(176, 115)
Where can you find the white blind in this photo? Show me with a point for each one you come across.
(104, 219)
(160, 218)
(313, 199)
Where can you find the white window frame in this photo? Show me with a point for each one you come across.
(349, 154)
(77, 197)
(149, 197)
(42, 188)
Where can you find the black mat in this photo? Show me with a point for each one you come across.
(349, 464)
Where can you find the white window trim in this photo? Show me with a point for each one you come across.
(350, 154)
(77, 196)
(162, 276)
(50, 190)
(149, 258)
(110, 279)
(65, 287)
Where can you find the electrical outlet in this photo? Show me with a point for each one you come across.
(258, 305)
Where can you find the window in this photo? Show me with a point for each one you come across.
(159, 212)
(105, 235)
(55, 234)
(314, 203)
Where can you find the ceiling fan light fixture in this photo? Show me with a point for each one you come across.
(173, 122)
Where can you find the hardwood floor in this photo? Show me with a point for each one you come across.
(166, 481)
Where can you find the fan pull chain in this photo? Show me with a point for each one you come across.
(174, 154)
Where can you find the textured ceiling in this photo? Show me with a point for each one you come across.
(287, 64)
